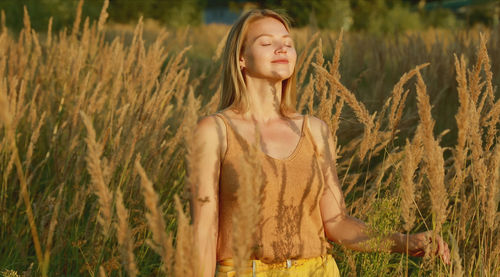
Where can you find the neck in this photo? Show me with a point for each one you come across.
(264, 97)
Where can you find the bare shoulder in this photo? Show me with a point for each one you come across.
(211, 133)
(210, 125)
(210, 129)
(319, 129)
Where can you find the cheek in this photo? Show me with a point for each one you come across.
(259, 58)
(293, 58)
(293, 55)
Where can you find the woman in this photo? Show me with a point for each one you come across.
(301, 204)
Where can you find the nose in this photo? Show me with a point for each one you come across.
(281, 49)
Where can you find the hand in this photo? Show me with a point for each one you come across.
(421, 242)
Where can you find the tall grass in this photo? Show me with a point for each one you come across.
(95, 124)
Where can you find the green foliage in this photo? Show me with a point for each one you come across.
(381, 17)
(171, 12)
(383, 220)
(177, 13)
(373, 16)
(332, 14)
(9, 273)
(441, 18)
(62, 12)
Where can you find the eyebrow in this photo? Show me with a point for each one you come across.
(269, 35)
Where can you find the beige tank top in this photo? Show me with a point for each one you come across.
(290, 221)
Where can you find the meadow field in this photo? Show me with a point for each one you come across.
(96, 120)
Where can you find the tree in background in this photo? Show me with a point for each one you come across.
(374, 16)
(380, 16)
(169, 12)
(331, 14)
(62, 12)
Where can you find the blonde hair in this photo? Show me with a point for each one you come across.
(233, 84)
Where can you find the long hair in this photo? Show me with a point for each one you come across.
(233, 84)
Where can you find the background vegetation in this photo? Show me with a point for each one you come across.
(378, 16)
(92, 158)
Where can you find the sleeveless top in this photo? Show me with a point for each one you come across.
(290, 225)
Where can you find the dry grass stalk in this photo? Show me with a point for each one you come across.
(33, 140)
(161, 243)
(487, 68)
(359, 108)
(433, 158)
(413, 155)
(103, 16)
(302, 73)
(308, 94)
(52, 227)
(305, 58)
(102, 271)
(2, 22)
(462, 118)
(478, 155)
(185, 256)
(335, 120)
(27, 25)
(320, 60)
(398, 96)
(493, 191)
(334, 69)
(220, 47)
(320, 85)
(124, 236)
(475, 84)
(483, 56)
(493, 118)
(6, 118)
(329, 97)
(489, 92)
(190, 117)
(97, 170)
(362, 115)
(6, 172)
(246, 215)
(5, 115)
(78, 17)
(457, 268)
(49, 33)
(211, 106)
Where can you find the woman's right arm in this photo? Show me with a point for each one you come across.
(204, 179)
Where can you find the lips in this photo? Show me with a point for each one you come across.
(283, 61)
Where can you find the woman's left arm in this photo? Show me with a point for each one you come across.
(347, 230)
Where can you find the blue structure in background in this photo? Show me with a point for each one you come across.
(222, 15)
(455, 5)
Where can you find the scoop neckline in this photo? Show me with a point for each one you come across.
(292, 154)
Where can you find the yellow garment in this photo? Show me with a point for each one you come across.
(323, 266)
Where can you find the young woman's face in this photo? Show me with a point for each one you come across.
(268, 52)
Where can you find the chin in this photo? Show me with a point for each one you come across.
(280, 76)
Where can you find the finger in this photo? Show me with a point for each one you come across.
(418, 253)
(443, 250)
(440, 246)
(447, 254)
